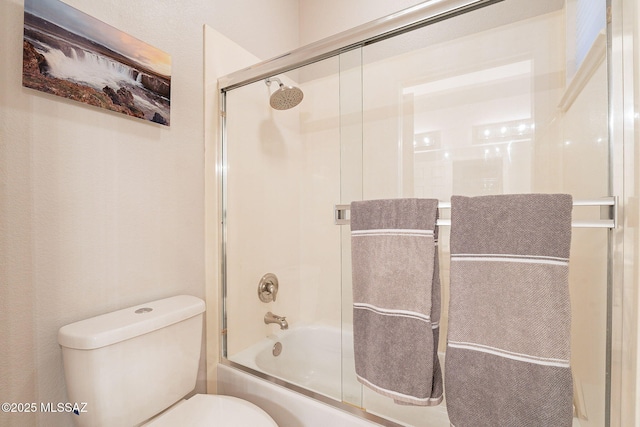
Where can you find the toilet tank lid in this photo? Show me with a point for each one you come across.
(110, 328)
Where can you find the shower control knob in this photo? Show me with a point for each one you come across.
(268, 287)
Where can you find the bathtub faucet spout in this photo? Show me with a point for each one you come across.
(273, 318)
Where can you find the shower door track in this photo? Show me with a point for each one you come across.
(406, 20)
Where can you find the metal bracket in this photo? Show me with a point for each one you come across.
(341, 214)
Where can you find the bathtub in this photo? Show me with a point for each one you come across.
(311, 363)
(310, 358)
(303, 386)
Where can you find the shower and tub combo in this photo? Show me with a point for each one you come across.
(452, 97)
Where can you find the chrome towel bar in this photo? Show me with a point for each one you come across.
(608, 207)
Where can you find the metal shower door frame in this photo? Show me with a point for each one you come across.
(620, 135)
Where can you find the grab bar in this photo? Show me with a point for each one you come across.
(608, 214)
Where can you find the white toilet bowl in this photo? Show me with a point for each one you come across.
(206, 410)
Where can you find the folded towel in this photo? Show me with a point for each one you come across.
(508, 342)
(396, 299)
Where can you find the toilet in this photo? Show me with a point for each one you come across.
(134, 367)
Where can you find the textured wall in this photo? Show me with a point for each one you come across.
(99, 211)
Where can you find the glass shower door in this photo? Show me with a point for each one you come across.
(281, 179)
(504, 99)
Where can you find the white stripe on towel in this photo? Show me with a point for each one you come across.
(392, 312)
(532, 259)
(546, 361)
(392, 232)
(430, 400)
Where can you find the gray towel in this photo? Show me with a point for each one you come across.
(396, 299)
(508, 343)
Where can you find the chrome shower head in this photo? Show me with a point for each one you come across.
(285, 97)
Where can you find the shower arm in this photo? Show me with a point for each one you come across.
(268, 81)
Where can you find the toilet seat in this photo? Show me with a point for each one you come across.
(204, 410)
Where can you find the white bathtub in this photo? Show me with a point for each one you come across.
(320, 359)
(286, 407)
(310, 358)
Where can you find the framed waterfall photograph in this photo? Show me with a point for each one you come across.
(76, 56)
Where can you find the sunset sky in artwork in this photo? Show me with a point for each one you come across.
(84, 25)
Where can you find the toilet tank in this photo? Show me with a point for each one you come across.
(131, 364)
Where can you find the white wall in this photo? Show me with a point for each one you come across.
(99, 211)
(264, 28)
(320, 19)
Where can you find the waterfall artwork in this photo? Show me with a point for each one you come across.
(73, 55)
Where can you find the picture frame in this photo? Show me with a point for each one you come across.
(71, 54)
